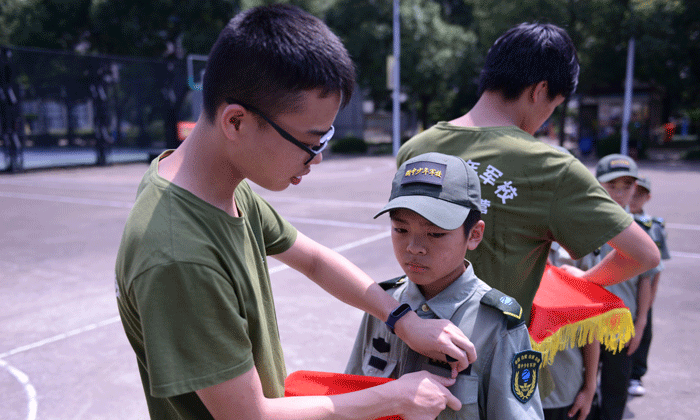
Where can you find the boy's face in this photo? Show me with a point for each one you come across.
(273, 162)
(621, 189)
(430, 256)
(639, 199)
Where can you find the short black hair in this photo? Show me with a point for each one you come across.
(472, 219)
(528, 54)
(266, 56)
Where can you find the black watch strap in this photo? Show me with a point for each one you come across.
(396, 314)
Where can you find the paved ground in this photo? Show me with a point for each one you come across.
(63, 353)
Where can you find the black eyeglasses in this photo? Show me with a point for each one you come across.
(312, 151)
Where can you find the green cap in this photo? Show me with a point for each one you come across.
(644, 183)
(615, 166)
(439, 187)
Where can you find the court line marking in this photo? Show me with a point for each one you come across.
(328, 202)
(682, 226)
(272, 270)
(325, 222)
(29, 390)
(684, 254)
(112, 320)
(60, 337)
(69, 200)
(70, 184)
(271, 198)
(342, 248)
(129, 204)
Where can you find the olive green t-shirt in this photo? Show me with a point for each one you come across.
(194, 294)
(532, 194)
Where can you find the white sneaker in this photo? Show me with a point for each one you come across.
(636, 389)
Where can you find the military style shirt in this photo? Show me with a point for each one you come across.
(532, 195)
(656, 228)
(501, 384)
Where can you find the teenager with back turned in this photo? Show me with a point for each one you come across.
(532, 193)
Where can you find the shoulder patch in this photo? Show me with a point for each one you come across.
(506, 304)
(390, 284)
(644, 221)
(526, 372)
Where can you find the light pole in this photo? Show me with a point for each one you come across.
(396, 106)
(627, 109)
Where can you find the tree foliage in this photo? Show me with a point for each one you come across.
(436, 55)
(443, 41)
(58, 24)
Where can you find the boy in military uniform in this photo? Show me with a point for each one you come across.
(435, 216)
(655, 227)
(618, 174)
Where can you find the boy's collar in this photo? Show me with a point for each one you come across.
(446, 302)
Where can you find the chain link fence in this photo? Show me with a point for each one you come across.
(59, 108)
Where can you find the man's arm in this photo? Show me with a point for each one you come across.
(434, 338)
(416, 396)
(633, 253)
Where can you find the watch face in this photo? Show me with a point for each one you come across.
(401, 309)
(396, 314)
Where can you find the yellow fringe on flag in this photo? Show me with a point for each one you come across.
(613, 329)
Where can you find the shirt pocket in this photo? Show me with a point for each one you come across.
(466, 389)
(381, 355)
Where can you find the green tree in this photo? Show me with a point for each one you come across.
(436, 58)
(155, 28)
(58, 24)
(668, 43)
(365, 26)
(434, 52)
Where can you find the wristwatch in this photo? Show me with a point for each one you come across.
(396, 314)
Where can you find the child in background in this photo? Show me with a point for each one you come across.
(435, 215)
(618, 175)
(656, 228)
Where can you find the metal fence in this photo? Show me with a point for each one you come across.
(59, 108)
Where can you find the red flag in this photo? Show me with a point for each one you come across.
(571, 312)
(305, 382)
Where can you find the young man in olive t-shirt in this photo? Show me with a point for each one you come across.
(193, 288)
(533, 194)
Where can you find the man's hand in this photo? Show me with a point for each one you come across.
(573, 271)
(582, 404)
(426, 395)
(437, 339)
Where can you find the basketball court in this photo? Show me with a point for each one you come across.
(63, 352)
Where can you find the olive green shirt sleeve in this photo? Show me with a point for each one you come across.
(194, 334)
(583, 216)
